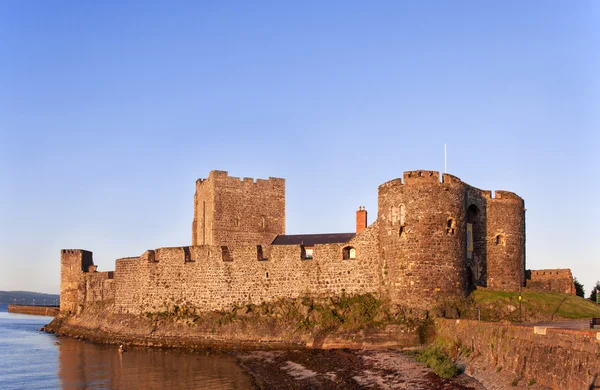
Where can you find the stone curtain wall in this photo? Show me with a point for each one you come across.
(557, 358)
(97, 287)
(210, 281)
(238, 212)
(551, 280)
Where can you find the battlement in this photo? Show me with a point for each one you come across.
(549, 273)
(75, 251)
(421, 176)
(507, 195)
(223, 179)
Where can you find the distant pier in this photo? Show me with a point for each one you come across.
(51, 311)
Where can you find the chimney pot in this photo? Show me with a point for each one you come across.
(361, 219)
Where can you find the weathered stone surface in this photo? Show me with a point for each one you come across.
(413, 254)
(34, 310)
(558, 358)
(551, 280)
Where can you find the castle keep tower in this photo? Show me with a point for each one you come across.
(73, 263)
(233, 211)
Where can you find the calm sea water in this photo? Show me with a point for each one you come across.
(29, 359)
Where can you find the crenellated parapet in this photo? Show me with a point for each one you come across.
(434, 237)
(240, 211)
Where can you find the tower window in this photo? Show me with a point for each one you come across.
(450, 227)
(500, 239)
(348, 253)
(237, 221)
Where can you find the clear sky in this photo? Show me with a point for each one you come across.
(109, 111)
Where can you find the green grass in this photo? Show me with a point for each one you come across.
(435, 358)
(550, 304)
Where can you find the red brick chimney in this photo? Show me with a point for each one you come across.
(361, 219)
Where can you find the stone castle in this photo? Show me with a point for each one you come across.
(433, 238)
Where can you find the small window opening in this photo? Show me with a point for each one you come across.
(348, 253)
(226, 253)
(450, 227)
(187, 255)
(262, 223)
(267, 275)
(500, 239)
(306, 252)
(259, 253)
(402, 232)
(237, 221)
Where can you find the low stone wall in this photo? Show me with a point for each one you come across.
(35, 310)
(551, 280)
(557, 358)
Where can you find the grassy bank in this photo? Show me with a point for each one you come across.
(505, 306)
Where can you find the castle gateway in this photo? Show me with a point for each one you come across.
(433, 237)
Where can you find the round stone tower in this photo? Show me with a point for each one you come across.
(422, 235)
(506, 241)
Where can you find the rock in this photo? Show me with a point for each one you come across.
(511, 308)
(304, 310)
(315, 316)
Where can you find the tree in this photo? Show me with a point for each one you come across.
(595, 291)
(579, 291)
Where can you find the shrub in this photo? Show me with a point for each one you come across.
(434, 357)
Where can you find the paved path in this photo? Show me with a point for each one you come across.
(566, 324)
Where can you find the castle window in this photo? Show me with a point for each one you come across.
(187, 255)
(348, 253)
(402, 232)
(226, 254)
(267, 275)
(500, 239)
(450, 227)
(259, 253)
(237, 221)
(262, 223)
(306, 252)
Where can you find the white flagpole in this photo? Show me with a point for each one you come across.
(445, 166)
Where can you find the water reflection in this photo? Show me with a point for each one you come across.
(86, 365)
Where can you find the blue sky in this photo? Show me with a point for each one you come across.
(109, 111)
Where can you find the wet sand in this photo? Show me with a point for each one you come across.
(345, 369)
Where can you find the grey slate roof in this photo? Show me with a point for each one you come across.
(312, 239)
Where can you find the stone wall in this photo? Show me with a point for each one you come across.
(557, 358)
(415, 253)
(215, 277)
(236, 212)
(97, 287)
(73, 263)
(34, 310)
(551, 280)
